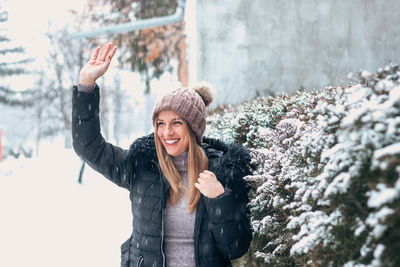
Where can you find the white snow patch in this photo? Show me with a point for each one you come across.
(47, 216)
(382, 196)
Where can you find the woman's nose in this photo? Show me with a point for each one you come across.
(168, 131)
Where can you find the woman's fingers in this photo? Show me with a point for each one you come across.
(97, 65)
(95, 53)
(104, 55)
(111, 54)
(208, 184)
(104, 52)
(206, 174)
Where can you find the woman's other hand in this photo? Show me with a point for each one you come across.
(208, 185)
(97, 65)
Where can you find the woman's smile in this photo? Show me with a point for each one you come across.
(171, 141)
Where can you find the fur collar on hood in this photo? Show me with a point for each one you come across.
(229, 162)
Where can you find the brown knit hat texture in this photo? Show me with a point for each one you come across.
(190, 103)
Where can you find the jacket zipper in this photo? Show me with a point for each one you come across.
(162, 237)
(162, 213)
(140, 261)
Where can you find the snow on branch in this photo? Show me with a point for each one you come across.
(326, 191)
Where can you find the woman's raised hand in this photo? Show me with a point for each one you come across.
(97, 65)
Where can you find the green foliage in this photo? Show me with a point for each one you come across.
(327, 188)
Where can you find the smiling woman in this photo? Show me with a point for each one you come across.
(189, 199)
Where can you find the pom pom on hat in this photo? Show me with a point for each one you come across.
(206, 91)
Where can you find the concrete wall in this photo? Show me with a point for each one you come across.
(245, 46)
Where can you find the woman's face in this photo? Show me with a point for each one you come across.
(172, 132)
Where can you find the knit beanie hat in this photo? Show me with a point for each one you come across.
(190, 103)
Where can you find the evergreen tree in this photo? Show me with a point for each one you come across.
(10, 66)
(326, 191)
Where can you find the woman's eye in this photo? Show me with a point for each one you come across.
(177, 123)
(160, 123)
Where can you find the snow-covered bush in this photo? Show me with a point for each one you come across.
(326, 191)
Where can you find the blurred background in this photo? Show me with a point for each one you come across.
(245, 48)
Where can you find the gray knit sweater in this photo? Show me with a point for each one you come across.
(179, 224)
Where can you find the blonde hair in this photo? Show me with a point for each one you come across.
(197, 163)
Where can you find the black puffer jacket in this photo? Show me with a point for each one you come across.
(222, 228)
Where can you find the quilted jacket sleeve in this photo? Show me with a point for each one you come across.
(90, 145)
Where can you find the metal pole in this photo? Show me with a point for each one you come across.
(134, 26)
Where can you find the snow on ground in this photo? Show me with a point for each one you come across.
(48, 219)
